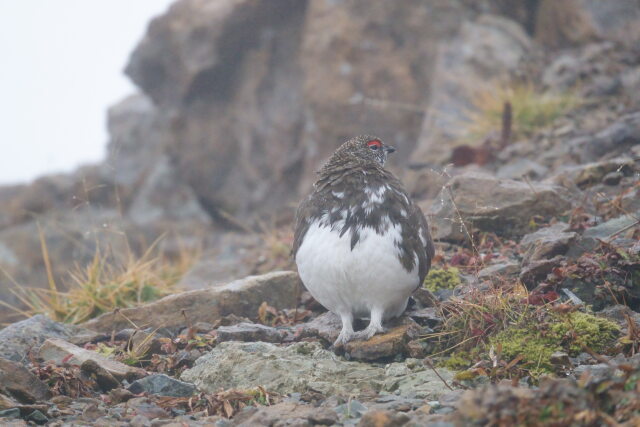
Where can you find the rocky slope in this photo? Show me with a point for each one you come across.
(240, 100)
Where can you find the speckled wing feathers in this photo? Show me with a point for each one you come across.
(350, 199)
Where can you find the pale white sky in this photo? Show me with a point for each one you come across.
(61, 66)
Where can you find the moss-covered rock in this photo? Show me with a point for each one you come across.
(578, 329)
(563, 333)
(528, 341)
(459, 360)
(439, 278)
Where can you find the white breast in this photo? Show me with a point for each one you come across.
(357, 280)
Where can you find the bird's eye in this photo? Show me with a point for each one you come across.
(374, 144)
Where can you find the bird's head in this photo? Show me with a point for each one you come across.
(366, 147)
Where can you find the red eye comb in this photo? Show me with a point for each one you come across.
(375, 142)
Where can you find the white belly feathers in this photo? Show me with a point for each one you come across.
(345, 280)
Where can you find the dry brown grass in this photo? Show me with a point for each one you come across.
(105, 284)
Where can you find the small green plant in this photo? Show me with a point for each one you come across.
(531, 110)
(508, 333)
(438, 279)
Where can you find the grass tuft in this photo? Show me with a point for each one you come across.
(104, 285)
(510, 333)
(531, 110)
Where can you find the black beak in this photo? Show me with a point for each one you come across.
(389, 149)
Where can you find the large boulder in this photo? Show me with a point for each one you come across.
(257, 94)
(226, 73)
(476, 201)
(241, 297)
(137, 136)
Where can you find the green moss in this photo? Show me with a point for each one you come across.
(536, 348)
(565, 333)
(458, 361)
(465, 375)
(578, 329)
(439, 278)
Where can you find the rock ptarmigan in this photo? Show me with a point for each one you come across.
(361, 245)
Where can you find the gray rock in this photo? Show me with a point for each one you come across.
(352, 409)
(530, 239)
(253, 109)
(37, 417)
(162, 385)
(586, 175)
(10, 413)
(605, 231)
(137, 134)
(502, 269)
(547, 242)
(242, 297)
(391, 402)
(223, 265)
(287, 414)
(250, 332)
(301, 367)
(538, 270)
(488, 204)
(597, 371)
(22, 385)
(612, 141)
(18, 339)
(431, 316)
(326, 326)
(613, 178)
(619, 313)
(140, 421)
(163, 197)
(60, 352)
(451, 398)
(522, 167)
(106, 381)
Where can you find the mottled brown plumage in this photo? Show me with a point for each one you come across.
(356, 198)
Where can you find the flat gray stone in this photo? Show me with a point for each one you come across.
(18, 339)
(162, 385)
(306, 366)
(604, 231)
(60, 352)
(502, 269)
(475, 201)
(250, 332)
(241, 297)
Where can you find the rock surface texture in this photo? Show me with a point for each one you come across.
(505, 207)
(303, 367)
